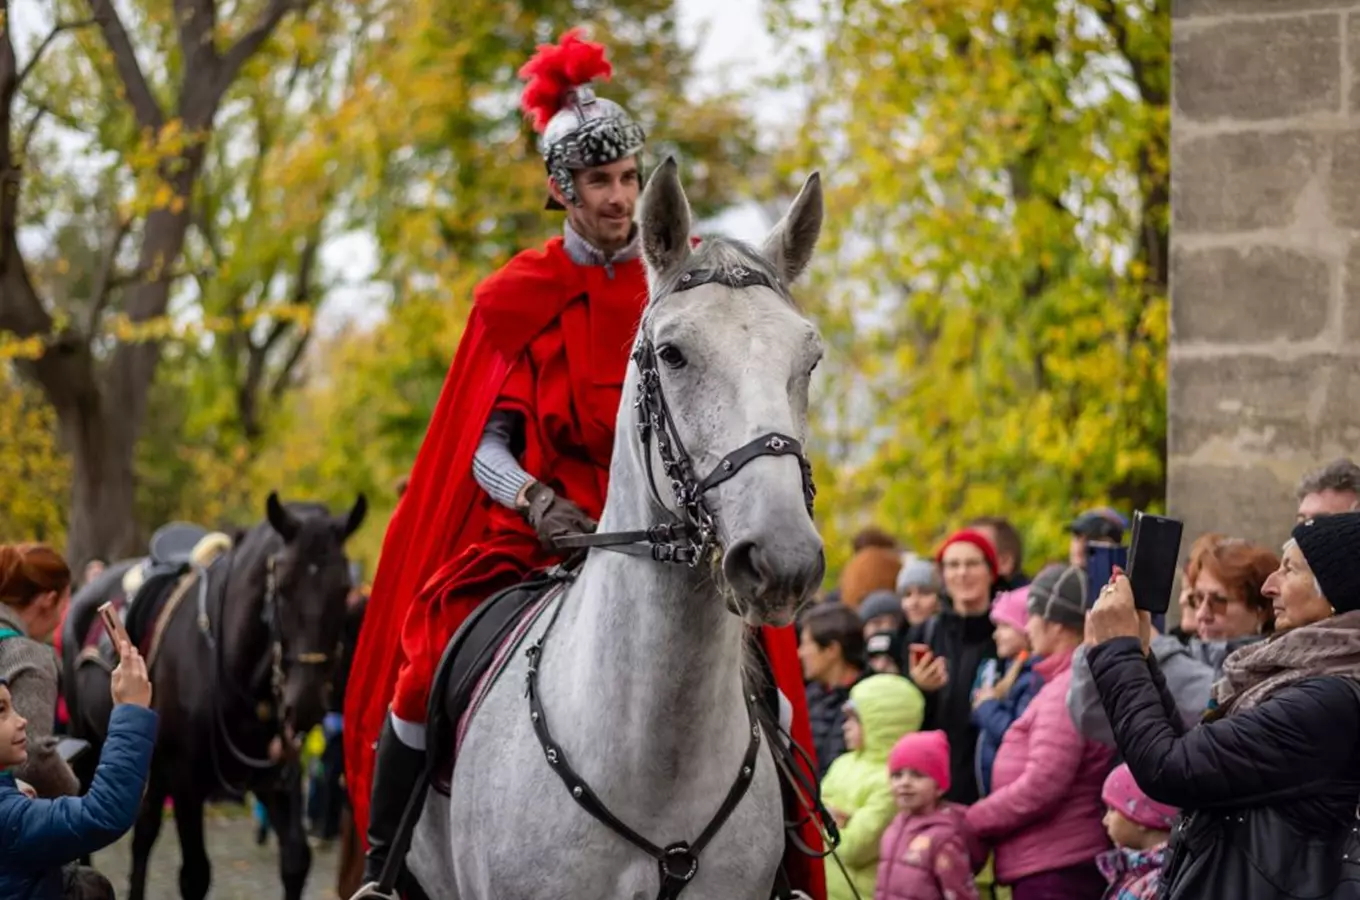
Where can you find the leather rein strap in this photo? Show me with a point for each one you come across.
(678, 863)
(690, 536)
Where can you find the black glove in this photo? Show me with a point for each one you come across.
(553, 516)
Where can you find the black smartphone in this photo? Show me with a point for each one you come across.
(1154, 554)
(1101, 558)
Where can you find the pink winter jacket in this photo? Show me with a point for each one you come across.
(929, 857)
(1045, 811)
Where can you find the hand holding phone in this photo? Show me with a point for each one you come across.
(1154, 555)
(113, 624)
(927, 670)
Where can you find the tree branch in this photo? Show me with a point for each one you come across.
(52, 35)
(285, 373)
(104, 281)
(197, 19)
(144, 105)
(251, 41)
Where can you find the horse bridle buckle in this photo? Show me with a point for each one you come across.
(686, 864)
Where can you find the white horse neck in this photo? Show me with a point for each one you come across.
(646, 659)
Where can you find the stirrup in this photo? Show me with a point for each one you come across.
(371, 891)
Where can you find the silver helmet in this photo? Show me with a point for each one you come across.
(578, 130)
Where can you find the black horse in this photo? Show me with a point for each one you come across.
(242, 656)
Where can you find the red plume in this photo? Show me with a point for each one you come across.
(555, 70)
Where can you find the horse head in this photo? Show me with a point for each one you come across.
(307, 582)
(732, 357)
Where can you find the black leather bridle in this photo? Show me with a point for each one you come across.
(689, 537)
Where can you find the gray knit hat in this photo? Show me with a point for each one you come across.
(1058, 594)
(880, 603)
(918, 572)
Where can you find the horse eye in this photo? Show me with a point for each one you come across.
(672, 357)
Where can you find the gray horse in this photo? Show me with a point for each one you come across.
(643, 677)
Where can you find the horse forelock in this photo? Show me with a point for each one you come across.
(316, 535)
(725, 256)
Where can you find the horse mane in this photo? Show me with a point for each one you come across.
(725, 255)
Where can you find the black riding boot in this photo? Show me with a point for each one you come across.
(395, 778)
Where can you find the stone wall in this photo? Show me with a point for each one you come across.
(1264, 377)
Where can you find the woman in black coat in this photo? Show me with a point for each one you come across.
(1270, 782)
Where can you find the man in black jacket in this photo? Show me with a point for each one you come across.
(832, 652)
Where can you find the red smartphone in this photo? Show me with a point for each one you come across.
(114, 625)
(917, 653)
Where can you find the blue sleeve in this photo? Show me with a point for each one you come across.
(55, 832)
(993, 718)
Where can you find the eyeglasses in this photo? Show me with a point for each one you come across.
(1218, 604)
(955, 565)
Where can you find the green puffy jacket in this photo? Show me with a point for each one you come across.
(856, 785)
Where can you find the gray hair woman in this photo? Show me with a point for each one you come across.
(1270, 782)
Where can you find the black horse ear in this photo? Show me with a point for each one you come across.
(284, 522)
(355, 517)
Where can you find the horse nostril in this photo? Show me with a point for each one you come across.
(745, 570)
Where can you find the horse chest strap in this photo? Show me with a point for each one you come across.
(679, 862)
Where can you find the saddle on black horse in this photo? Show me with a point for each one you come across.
(145, 588)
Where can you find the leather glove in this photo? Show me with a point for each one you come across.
(553, 516)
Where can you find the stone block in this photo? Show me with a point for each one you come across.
(1183, 9)
(1247, 501)
(1343, 194)
(1246, 404)
(1340, 414)
(1350, 309)
(1258, 69)
(1252, 293)
(1242, 181)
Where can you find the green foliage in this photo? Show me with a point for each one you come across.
(992, 279)
(34, 477)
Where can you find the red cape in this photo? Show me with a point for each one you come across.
(441, 512)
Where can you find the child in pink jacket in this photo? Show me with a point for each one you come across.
(927, 853)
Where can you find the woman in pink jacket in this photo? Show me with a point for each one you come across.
(1044, 812)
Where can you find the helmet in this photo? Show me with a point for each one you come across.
(577, 129)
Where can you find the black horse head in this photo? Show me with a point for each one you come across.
(307, 581)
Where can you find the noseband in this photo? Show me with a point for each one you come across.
(690, 535)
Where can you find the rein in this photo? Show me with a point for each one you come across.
(688, 537)
(266, 710)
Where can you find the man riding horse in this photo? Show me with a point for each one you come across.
(518, 449)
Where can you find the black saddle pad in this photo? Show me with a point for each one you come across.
(467, 657)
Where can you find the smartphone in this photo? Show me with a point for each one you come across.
(1154, 555)
(71, 749)
(917, 653)
(1101, 558)
(114, 625)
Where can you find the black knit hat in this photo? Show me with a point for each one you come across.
(1331, 544)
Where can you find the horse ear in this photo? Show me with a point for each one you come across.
(355, 517)
(284, 522)
(665, 219)
(790, 244)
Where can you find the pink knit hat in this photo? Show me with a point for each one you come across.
(1009, 608)
(925, 751)
(1123, 794)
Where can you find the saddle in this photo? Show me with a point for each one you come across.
(146, 586)
(481, 641)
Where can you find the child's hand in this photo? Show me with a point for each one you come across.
(26, 789)
(130, 683)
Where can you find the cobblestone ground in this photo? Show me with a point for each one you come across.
(241, 870)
